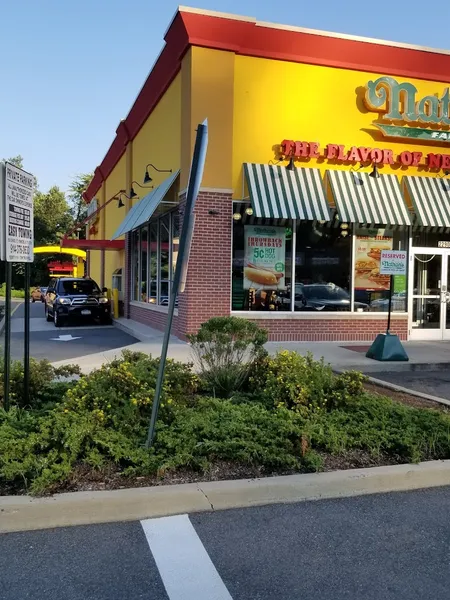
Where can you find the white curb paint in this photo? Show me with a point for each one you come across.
(183, 563)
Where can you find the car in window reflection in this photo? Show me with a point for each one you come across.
(324, 297)
(382, 304)
(164, 301)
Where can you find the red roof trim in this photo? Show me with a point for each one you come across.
(93, 244)
(251, 39)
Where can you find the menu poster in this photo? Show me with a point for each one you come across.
(367, 260)
(265, 257)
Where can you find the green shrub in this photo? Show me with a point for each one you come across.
(295, 382)
(220, 430)
(302, 384)
(14, 293)
(43, 389)
(225, 349)
(382, 427)
(120, 394)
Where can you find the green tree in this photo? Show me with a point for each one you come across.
(15, 160)
(77, 188)
(52, 216)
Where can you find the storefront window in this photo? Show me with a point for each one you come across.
(322, 267)
(175, 241)
(143, 264)
(153, 263)
(135, 264)
(154, 251)
(262, 263)
(164, 263)
(371, 288)
(324, 272)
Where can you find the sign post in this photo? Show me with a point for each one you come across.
(387, 347)
(16, 246)
(179, 279)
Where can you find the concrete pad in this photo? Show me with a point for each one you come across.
(20, 513)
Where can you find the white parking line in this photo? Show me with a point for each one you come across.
(183, 563)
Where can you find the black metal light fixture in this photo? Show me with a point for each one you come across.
(120, 204)
(147, 178)
(291, 165)
(133, 193)
(374, 173)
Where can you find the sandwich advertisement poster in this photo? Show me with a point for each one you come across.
(368, 261)
(265, 257)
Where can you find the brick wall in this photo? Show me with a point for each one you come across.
(332, 330)
(208, 286)
(152, 318)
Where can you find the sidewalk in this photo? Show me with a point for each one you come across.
(430, 356)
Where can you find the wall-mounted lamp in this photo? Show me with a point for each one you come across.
(147, 177)
(249, 211)
(133, 193)
(445, 174)
(344, 226)
(120, 204)
(291, 164)
(237, 216)
(213, 212)
(344, 233)
(374, 173)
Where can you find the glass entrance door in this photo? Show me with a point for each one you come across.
(430, 297)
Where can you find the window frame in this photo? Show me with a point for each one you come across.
(352, 229)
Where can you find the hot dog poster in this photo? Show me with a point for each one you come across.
(367, 260)
(265, 257)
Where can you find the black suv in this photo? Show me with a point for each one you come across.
(71, 297)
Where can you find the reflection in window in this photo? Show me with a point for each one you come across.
(262, 264)
(154, 251)
(135, 264)
(164, 262)
(322, 267)
(323, 277)
(143, 264)
(153, 263)
(371, 287)
(175, 242)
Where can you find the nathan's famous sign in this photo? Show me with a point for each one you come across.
(407, 115)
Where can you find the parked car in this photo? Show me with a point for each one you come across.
(70, 297)
(37, 295)
(323, 296)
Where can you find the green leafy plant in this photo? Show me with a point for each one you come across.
(225, 350)
(295, 382)
(44, 385)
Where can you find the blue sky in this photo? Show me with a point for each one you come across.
(71, 70)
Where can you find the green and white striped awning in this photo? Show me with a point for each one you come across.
(277, 193)
(430, 197)
(367, 200)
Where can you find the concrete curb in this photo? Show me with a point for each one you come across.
(23, 513)
(409, 391)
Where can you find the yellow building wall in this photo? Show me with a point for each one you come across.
(208, 86)
(159, 141)
(275, 100)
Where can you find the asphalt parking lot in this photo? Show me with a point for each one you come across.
(62, 343)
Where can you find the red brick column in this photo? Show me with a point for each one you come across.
(208, 287)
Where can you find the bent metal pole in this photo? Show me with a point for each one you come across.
(195, 177)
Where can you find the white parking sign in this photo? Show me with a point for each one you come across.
(18, 214)
(393, 262)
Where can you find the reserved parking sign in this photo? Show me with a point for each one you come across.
(393, 262)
